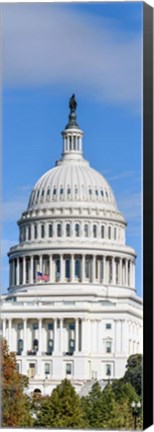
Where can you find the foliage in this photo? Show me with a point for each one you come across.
(133, 374)
(15, 404)
(61, 410)
(110, 408)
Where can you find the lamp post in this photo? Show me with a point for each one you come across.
(135, 411)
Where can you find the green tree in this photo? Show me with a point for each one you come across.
(15, 403)
(133, 374)
(61, 409)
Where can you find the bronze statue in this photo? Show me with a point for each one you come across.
(72, 103)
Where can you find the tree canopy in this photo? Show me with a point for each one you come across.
(62, 409)
(15, 403)
(133, 374)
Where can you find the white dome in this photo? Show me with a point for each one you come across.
(72, 180)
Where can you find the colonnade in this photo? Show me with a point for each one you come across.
(83, 336)
(73, 268)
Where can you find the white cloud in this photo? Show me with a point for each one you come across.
(131, 206)
(52, 45)
(125, 174)
(11, 210)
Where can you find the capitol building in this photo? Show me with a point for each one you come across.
(71, 310)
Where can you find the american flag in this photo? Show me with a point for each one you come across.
(42, 276)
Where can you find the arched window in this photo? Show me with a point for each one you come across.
(59, 230)
(50, 228)
(67, 268)
(68, 230)
(109, 233)
(48, 192)
(29, 233)
(77, 268)
(86, 230)
(42, 231)
(20, 345)
(94, 231)
(35, 231)
(102, 231)
(35, 344)
(54, 191)
(77, 230)
(115, 233)
(42, 193)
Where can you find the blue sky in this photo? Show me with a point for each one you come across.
(49, 52)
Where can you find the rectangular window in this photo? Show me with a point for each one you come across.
(67, 268)
(20, 326)
(72, 326)
(42, 231)
(108, 326)
(50, 230)
(108, 370)
(50, 326)
(35, 326)
(109, 232)
(47, 368)
(31, 370)
(108, 347)
(18, 367)
(115, 233)
(68, 369)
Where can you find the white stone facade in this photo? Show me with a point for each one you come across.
(86, 319)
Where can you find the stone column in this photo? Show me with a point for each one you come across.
(24, 270)
(31, 269)
(18, 271)
(61, 335)
(40, 263)
(120, 271)
(126, 263)
(134, 274)
(62, 269)
(132, 281)
(25, 336)
(40, 335)
(77, 335)
(13, 272)
(10, 273)
(104, 270)
(93, 268)
(83, 269)
(51, 269)
(124, 336)
(72, 268)
(55, 335)
(4, 328)
(113, 271)
(10, 334)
